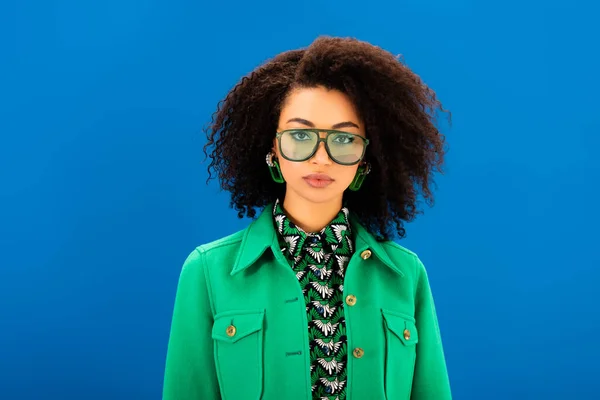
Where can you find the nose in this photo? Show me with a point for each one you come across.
(321, 157)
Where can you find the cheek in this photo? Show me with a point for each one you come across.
(347, 174)
(289, 169)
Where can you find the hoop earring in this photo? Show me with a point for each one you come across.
(274, 168)
(359, 178)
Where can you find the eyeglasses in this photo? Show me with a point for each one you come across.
(301, 144)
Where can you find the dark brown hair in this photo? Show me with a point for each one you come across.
(398, 109)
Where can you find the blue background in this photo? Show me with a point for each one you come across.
(103, 195)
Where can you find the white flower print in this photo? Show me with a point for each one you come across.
(321, 273)
(331, 366)
(337, 230)
(342, 261)
(317, 255)
(327, 309)
(327, 328)
(323, 290)
(292, 242)
(334, 385)
(300, 274)
(331, 346)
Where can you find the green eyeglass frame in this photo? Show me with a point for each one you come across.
(328, 132)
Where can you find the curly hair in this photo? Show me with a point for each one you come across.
(398, 109)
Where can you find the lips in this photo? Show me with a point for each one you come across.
(320, 177)
(318, 180)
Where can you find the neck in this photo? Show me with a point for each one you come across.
(311, 217)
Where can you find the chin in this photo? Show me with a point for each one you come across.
(319, 196)
(320, 199)
(328, 194)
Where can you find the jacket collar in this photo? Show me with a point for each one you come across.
(257, 237)
(365, 240)
(261, 235)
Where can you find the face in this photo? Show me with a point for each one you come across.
(318, 179)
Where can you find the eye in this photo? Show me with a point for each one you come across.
(343, 139)
(300, 135)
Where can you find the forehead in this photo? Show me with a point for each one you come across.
(320, 106)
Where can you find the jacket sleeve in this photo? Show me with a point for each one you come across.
(190, 368)
(431, 376)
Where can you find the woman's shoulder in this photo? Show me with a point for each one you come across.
(221, 251)
(233, 239)
(398, 249)
(404, 257)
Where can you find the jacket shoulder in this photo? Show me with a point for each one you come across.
(210, 257)
(220, 255)
(230, 240)
(407, 259)
(395, 249)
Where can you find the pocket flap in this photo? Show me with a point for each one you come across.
(231, 326)
(401, 325)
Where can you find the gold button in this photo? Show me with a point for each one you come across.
(406, 334)
(351, 299)
(365, 254)
(358, 352)
(230, 331)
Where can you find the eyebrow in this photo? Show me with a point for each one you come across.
(345, 124)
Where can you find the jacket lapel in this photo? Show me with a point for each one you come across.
(257, 238)
(366, 241)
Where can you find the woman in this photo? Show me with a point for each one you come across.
(313, 300)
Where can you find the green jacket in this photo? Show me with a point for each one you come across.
(239, 328)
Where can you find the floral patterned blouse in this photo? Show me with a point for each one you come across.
(319, 261)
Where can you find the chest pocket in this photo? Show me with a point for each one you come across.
(238, 347)
(401, 339)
